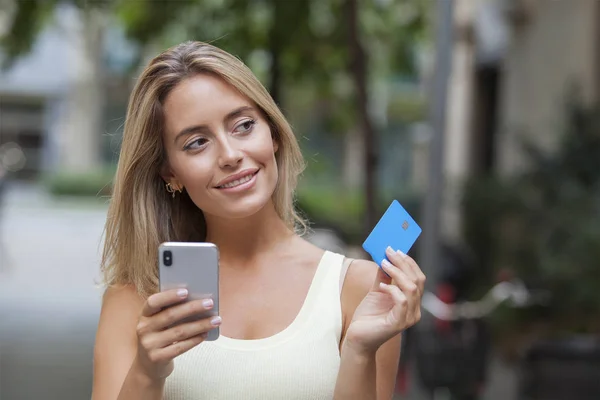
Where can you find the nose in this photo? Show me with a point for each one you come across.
(230, 155)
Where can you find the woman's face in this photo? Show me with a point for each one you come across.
(219, 148)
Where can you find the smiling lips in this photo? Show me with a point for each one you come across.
(238, 179)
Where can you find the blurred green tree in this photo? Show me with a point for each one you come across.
(337, 48)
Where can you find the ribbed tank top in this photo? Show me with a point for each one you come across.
(301, 362)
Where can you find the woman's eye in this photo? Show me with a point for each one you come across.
(245, 126)
(196, 144)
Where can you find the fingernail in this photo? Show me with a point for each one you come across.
(400, 253)
(182, 293)
(389, 250)
(386, 264)
(207, 303)
(216, 321)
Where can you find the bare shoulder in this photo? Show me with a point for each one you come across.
(356, 285)
(121, 307)
(116, 340)
(126, 296)
(359, 278)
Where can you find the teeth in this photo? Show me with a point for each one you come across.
(238, 181)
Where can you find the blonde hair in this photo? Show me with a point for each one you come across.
(142, 214)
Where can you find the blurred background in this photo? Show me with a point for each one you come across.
(480, 116)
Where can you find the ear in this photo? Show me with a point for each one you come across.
(167, 174)
(275, 144)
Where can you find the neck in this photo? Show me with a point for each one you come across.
(241, 240)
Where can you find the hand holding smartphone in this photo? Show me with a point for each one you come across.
(184, 313)
(195, 267)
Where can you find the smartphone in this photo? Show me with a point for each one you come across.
(396, 229)
(194, 266)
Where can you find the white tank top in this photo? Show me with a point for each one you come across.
(301, 362)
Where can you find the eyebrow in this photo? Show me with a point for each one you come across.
(202, 128)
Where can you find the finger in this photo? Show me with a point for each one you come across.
(401, 303)
(170, 352)
(381, 277)
(417, 271)
(410, 289)
(176, 313)
(401, 260)
(399, 276)
(183, 332)
(155, 303)
(406, 310)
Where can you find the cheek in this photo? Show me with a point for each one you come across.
(271, 158)
(193, 172)
(267, 148)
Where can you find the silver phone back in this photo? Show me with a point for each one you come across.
(194, 266)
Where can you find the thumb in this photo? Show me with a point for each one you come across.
(381, 277)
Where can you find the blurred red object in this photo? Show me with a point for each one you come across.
(505, 275)
(402, 381)
(447, 294)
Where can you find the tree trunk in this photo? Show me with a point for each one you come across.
(353, 170)
(358, 70)
(275, 75)
(275, 48)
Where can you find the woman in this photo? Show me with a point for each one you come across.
(208, 156)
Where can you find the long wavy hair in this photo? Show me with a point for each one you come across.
(142, 214)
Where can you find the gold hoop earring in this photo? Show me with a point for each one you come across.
(171, 190)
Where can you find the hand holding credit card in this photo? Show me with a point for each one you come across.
(394, 302)
(396, 229)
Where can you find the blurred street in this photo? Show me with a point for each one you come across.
(48, 300)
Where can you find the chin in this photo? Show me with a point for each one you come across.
(243, 208)
(237, 208)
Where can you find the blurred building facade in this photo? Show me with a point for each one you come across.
(514, 65)
(30, 100)
(59, 102)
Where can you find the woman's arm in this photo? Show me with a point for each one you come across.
(368, 376)
(116, 375)
(138, 340)
(364, 375)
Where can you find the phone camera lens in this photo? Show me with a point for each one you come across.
(168, 258)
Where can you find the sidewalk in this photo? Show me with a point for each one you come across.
(49, 303)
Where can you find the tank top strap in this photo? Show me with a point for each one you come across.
(324, 306)
(327, 278)
(334, 265)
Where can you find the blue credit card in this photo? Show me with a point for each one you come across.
(396, 229)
